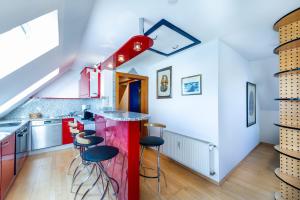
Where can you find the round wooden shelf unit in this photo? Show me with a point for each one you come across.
(292, 154)
(287, 19)
(292, 181)
(288, 45)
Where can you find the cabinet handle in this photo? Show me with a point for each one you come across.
(178, 145)
(5, 143)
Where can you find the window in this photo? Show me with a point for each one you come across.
(5, 106)
(26, 42)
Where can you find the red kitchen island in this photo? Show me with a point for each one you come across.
(122, 130)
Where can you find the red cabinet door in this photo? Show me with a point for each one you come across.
(8, 163)
(89, 84)
(66, 134)
(84, 84)
(80, 126)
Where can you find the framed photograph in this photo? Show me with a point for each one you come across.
(191, 85)
(164, 83)
(251, 104)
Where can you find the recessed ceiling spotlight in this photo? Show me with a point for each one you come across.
(110, 65)
(172, 1)
(137, 46)
(121, 58)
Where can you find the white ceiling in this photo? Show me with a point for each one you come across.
(244, 25)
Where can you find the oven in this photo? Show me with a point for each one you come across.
(22, 146)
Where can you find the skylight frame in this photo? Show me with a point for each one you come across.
(27, 42)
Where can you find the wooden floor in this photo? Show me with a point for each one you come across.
(44, 178)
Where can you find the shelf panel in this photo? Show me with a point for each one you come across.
(287, 71)
(287, 99)
(292, 181)
(277, 196)
(287, 19)
(289, 45)
(289, 127)
(292, 154)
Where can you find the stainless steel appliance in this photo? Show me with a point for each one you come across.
(46, 133)
(22, 147)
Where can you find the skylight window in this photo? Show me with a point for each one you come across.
(26, 42)
(28, 91)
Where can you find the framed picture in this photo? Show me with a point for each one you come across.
(191, 85)
(251, 104)
(164, 83)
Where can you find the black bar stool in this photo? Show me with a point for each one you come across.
(95, 156)
(156, 142)
(74, 131)
(86, 143)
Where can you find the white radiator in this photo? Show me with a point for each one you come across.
(196, 154)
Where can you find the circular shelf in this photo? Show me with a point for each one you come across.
(287, 99)
(291, 181)
(288, 45)
(292, 154)
(287, 71)
(287, 19)
(289, 127)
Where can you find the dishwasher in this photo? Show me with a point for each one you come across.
(46, 133)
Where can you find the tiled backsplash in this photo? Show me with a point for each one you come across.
(53, 107)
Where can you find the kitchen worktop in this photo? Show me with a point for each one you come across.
(6, 131)
(121, 115)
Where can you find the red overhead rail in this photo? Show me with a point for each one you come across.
(133, 47)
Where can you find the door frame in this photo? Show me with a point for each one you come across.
(144, 89)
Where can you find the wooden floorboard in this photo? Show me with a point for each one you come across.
(43, 177)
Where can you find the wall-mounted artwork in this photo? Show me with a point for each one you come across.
(191, 85)
(251, 104)
(164, 83)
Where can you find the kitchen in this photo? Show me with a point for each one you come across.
(149, 99)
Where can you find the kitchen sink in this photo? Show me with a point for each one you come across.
(10, 124)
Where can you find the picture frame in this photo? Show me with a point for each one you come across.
(251, 103)
(191, 85)
(164, 83)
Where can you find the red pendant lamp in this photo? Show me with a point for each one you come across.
(133, 47)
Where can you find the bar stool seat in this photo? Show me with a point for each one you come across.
(94, 140)
(100, 153)
(151, 141)
(89, 132)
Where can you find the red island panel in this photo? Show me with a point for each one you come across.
(124, 168)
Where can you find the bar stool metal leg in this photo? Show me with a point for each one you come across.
(158, 169)
(86, 179)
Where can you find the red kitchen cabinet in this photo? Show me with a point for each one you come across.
(89, 84)
(66, 134)
(80, 126)
(8, 163)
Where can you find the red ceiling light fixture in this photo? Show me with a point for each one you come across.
(133, 47)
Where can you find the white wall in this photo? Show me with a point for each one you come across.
(235, 139)
(66, 86)
(267, 90)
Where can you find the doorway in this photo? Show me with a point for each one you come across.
(132, 94)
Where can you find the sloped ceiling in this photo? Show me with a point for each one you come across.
(244, 25)
(73, 20)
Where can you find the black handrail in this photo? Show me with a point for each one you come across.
(287, 99)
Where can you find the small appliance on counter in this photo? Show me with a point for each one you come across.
(86, 114)
(35, 115)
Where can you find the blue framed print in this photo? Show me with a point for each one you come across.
(191, 85)
(251, 103)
